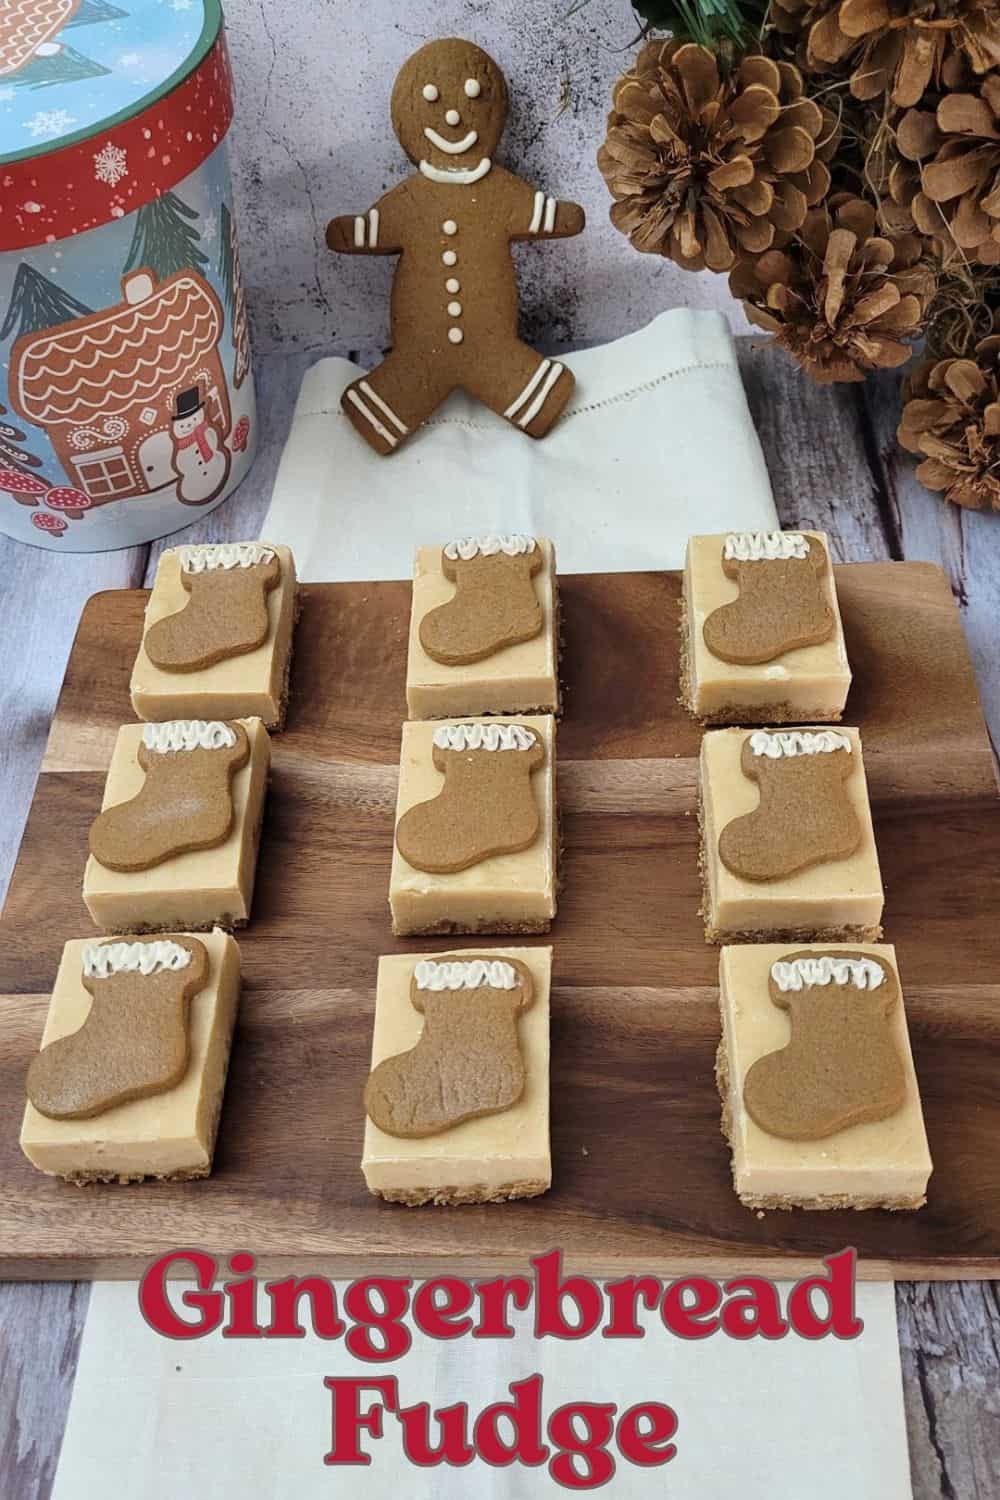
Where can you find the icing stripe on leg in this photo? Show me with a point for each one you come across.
(529, 389)
(541, 398)
(383, 406)
(536, 217)
(550, 215)
(359, 232)
(372, 228)
(372, 419)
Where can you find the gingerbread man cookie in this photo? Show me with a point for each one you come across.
(454, 299)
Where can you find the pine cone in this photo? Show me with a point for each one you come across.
(843, 299)
(951, 419)
(894, 47)
(704, 170)
(957, 148)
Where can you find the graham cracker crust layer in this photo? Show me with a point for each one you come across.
(443, 1197)
(85, 1179)
(446, 928)
(819, 1202)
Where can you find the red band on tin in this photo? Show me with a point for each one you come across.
(114, 172)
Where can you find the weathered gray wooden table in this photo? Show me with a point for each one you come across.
(834, 464)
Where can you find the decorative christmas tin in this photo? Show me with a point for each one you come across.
(126, 390)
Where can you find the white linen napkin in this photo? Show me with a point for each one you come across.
(657, 442)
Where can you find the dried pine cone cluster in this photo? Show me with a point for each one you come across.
(951, 419)
(706, 169)
(844, 170)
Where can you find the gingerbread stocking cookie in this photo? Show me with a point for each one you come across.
(805, 816)
(454, 299)
(186, 801)
(495, 604)
(134, 1041)
(841, 1066)
(486, 805)
(468, 1060)
(226, 614)
(781, 604)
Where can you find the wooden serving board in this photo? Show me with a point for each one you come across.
(641, 1173)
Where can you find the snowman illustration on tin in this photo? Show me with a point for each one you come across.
(200, 458)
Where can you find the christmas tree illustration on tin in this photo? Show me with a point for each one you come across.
(232, 290)
(31, 49)
(37, 303)
(165, 238)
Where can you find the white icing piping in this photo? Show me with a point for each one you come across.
(459, 176)
(472, 975)
(187, 734)
(765, 546)
(453, 148)
(863, 973)
(103, 959)
(467, 547)
(224, 555)
(798, 742)
(483, 737)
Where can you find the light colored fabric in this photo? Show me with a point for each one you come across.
(229, 1419)
(657, 442)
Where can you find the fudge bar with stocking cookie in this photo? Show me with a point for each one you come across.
(457, 1103)
(761, 635)
(788, 847)
(820, 1101)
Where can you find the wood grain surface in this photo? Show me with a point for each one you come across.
(640, 1169)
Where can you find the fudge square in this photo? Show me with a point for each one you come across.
(484, 629)
(217, 637)
(787, 843)
(169, 1133)
(475, 847)
(762, 639)
(485, 1159)
(180, 849)
(820, 1100)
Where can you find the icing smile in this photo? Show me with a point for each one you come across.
(453, 148)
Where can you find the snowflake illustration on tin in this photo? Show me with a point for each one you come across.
(209, 231)
(110, 164)
(130, 59)
(180, 4)
(49, 122)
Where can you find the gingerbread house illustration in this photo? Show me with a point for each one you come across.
(105, 386)
(27, 28)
